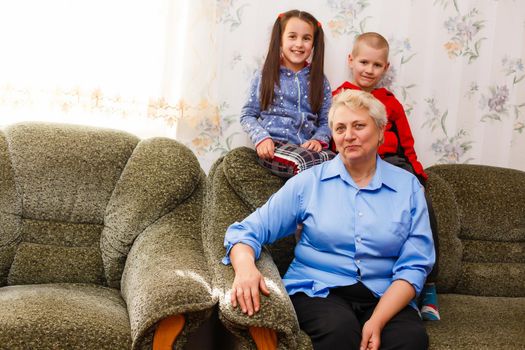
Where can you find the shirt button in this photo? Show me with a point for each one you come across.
(360, 214)
(358, 239)
(358, 261)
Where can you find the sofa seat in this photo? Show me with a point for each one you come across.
(63, 316)
(478, 322)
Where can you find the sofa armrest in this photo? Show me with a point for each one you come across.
(276, 312)
(166, 274)
(224, 206)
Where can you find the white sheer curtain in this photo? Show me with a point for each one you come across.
(122, 63)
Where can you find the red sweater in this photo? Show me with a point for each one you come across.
(398, 137)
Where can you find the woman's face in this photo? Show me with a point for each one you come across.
(355, 134)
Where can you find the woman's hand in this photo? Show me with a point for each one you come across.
(248, 280)
(312, 145)
(245, 289)
(396, 297)
(371, 335)
(265, 149)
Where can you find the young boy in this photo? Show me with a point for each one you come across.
(369, 63)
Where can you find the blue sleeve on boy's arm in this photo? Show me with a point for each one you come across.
(276, 219)
(323, 132)
(417, 256)
(251, 112)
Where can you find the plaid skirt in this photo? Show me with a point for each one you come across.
(290, 159)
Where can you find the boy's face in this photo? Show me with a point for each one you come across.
(368, 66)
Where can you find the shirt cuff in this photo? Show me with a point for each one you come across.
(256, 248)
(414, 277)
(261, 140)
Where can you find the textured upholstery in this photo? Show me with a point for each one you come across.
(236, 186)
(481, 217)
(63, 316)
(100, 238)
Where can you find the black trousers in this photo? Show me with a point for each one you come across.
(335, 322)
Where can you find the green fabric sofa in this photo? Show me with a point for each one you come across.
(100, 238)
(481, 215)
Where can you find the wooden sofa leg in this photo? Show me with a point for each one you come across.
(264, 338)
(167, 331)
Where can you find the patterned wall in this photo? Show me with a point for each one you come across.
(457, 66)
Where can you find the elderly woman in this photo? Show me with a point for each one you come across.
(366, 246)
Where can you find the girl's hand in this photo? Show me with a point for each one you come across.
(245, 290)
(312, 145)
(265, 149)
(370, 336)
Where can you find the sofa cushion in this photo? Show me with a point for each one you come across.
(67, 173)
(160, 174)
(492, 268)
(63, 316)
(43, 263)
(492, 279)
(491, 206)
(474, 322)
(478, 251)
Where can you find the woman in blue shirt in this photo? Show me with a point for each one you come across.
(366, 246)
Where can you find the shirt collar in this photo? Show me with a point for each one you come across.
(376, 92)
(304, 70)
(382, 176)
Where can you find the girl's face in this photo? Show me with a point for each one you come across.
(297, 42)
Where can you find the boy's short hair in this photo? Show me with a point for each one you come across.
(359, 99)
(372, 39)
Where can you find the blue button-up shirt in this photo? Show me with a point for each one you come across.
(376, 234)
(289, 118)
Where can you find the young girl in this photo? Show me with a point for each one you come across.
(286, 114)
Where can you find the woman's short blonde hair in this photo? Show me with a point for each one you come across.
(356, 100)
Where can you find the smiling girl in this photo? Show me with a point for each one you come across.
(286, 113)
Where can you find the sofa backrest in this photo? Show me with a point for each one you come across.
(481, 224)
(74, 198)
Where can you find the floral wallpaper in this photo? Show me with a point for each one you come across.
(456, 66)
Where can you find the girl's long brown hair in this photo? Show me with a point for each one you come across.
(270, 71)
